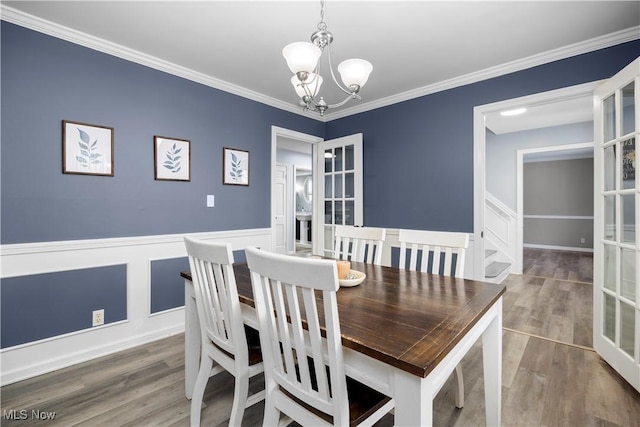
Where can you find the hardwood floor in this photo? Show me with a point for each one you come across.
(544, 382)
(553, 298)
(564, 265)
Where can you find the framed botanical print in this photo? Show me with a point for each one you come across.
(87, 149)
(172, 159)
(235, 168)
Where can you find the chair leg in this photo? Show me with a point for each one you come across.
(240, 394)
(271, 414)
(206, 363)
(459, 387)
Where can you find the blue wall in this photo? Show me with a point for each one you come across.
(45, 305)
(46, 80)
(418, 161)
(418, 154)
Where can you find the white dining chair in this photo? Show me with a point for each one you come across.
(440, 253)
(224, 338)
(362, 244)
(304, 371)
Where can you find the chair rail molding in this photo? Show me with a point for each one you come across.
(141, 326)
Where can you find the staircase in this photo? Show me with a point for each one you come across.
(495, 271)
(500, 239)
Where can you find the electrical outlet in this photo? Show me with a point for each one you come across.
(583, 240)
(98, 317)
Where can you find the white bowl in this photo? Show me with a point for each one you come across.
(354, 278)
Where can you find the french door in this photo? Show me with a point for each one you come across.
(337, 178)
(616, 278)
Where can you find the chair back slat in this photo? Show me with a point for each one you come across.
(293, 323)
(361, 244)
(442, 247)
(216, 296)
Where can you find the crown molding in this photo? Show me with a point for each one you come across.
(575, 49)
(26, 20)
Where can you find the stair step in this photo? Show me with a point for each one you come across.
(495, 269)
(489, 252)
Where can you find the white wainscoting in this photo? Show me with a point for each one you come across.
(35, 358)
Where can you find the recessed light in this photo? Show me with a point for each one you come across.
(514, 112)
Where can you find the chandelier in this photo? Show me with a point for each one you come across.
(302, 59)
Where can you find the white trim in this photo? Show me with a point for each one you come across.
(558, 248)
(569, 51)
(26, 20)
(520, 155)
(34, 358)
(479, 142)
(558, 217)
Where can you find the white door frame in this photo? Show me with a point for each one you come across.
(520, 154)
(277, 132)
(479, 156)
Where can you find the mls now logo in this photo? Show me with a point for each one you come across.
(23, 414)
(14, 414)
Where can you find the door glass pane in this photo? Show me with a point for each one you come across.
(609, 317)
(349, 185)
(338, 213)
(349, 163)
(609, 110)
(628, 163)
(328, 212)
(338, 159)
(338, 186)
(627, 328)
(610, 267)
(628, 218)
(610, 168)
(610, 217)
(628, 110)
(349, 212)
(328, 187)
(328, 160)
(628, 274)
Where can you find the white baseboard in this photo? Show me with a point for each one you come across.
(557, 248)
(141, 326)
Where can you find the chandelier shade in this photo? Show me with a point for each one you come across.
(301, 56)
(355, 72)
(303, 61)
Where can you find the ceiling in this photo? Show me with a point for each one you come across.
(416, 47)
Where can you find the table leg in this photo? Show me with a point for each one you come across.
(191, 339)
(413, 400)
(492, 364)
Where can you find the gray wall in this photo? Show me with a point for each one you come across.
(501, 154)
(558, 189)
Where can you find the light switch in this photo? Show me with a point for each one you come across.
(210, 200)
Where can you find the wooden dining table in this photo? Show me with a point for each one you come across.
(403, 333)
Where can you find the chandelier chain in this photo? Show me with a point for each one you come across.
(322, 26)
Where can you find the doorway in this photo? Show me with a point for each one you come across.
(482, 116)
(290, 150)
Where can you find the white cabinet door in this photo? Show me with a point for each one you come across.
(616, 267)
